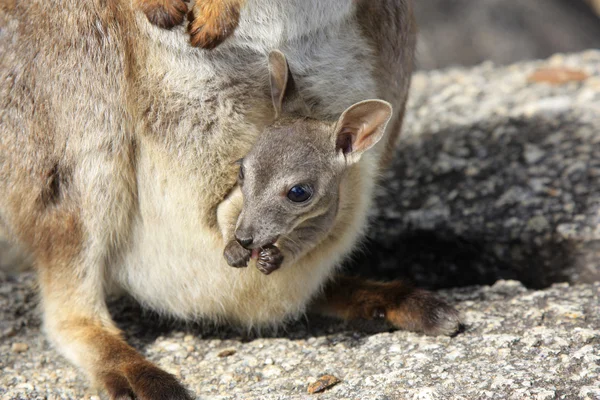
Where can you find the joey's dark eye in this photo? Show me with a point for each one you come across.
(299, 193)
(241, 173)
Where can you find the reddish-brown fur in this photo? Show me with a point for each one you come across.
(213, 21)
(121, 370)
(396, 302)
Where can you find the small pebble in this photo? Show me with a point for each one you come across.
(323, 383)
(226, 353)
(188, 338)
(557, 75)
(19, 347)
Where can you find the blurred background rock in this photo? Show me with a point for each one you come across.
(468, 32)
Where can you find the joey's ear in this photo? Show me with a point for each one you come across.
(285, 95)
(360, 127)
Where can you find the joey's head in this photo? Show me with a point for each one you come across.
(290, 179)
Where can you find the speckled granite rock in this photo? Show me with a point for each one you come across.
(518, 344)
(495, 177)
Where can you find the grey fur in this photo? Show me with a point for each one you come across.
(298, 150)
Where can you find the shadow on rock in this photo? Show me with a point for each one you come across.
(515, 198)
(143, 327)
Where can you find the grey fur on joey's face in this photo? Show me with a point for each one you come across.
(290, 182)
(291, 178)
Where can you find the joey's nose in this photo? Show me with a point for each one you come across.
(244, 240)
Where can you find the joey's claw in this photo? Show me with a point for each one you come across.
(236, 255)
(270, 259)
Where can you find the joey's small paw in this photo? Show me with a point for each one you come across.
(164, 13)
(270, 259)
(213, 21)
(236, 255)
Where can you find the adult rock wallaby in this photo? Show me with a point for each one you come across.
(118, 143)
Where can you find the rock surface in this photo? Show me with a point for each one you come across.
(517, 344)
(495, 177)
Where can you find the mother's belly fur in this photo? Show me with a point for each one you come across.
(176, 267)
(175, 262)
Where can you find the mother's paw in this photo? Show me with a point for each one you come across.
(213, 21)
(164, 13)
